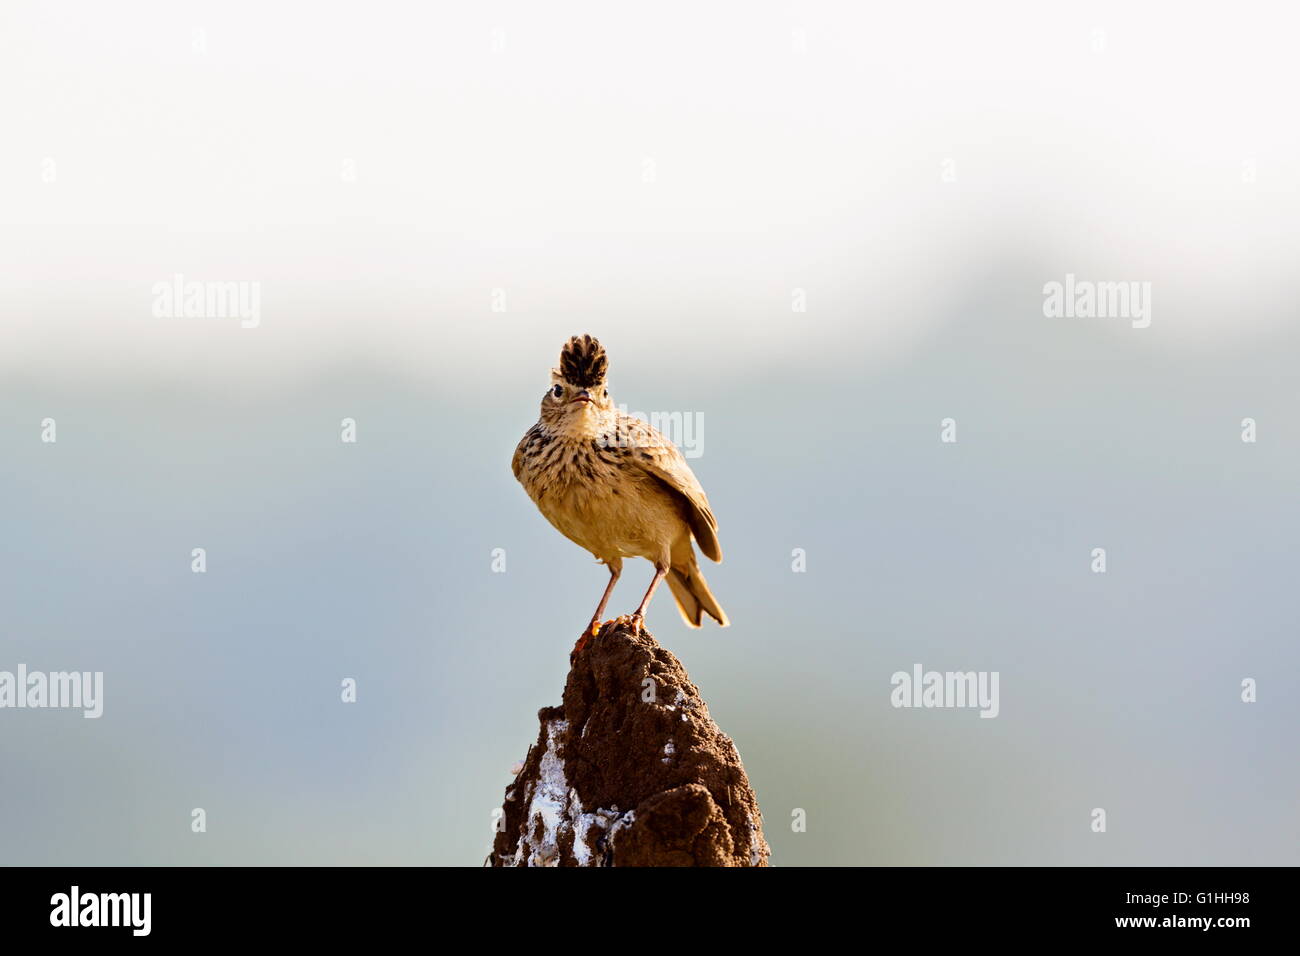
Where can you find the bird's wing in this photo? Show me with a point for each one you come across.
(650, 451)
(517, 463)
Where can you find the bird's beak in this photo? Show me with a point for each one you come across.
(583, 396)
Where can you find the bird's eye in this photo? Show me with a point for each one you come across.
(557, 391)
(606, 393)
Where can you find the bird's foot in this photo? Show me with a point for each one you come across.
(638, 623)
(592, 630)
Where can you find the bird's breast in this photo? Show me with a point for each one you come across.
(596, 498)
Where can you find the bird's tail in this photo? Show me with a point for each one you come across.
(693, 595)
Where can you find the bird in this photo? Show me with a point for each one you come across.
(614, 485)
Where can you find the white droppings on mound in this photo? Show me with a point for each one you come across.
(547, 801)
(622, 823)
(606, 821)
(759, 851)
(554, 810)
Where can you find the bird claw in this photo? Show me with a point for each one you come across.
(634, 621)
(592, 630)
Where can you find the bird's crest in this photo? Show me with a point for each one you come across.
(583, 362)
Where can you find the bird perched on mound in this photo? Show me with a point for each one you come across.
(616, 486)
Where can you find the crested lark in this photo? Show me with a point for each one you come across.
(614, 485)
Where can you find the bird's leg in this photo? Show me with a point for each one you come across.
(594, 627)
(638, 616)
(614, 572)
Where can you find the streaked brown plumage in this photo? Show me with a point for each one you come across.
(616, 486)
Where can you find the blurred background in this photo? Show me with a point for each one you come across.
(818, 228)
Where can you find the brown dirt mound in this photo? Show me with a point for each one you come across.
(630, 771)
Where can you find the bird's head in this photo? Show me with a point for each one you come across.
(577, 394)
